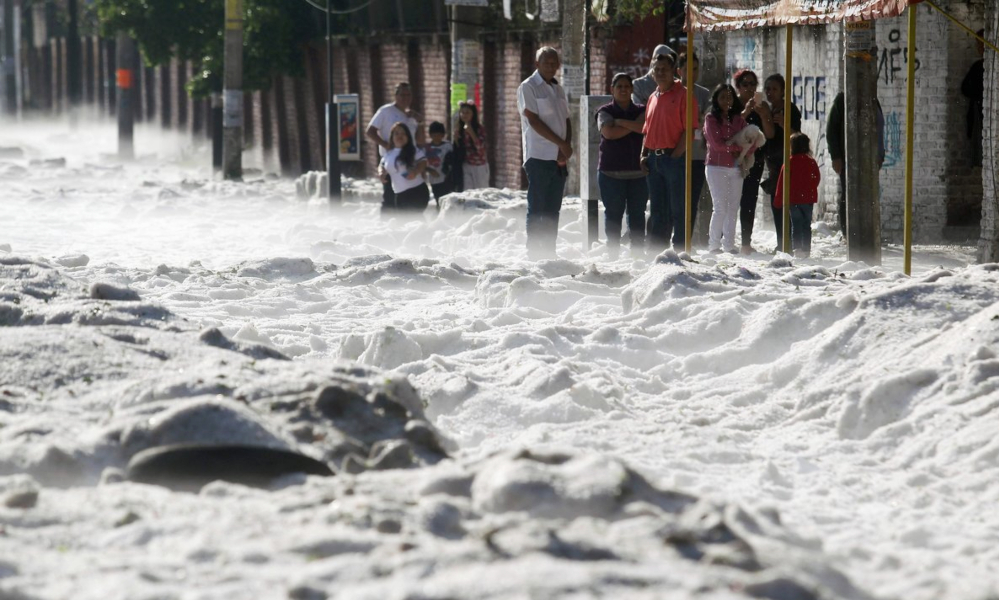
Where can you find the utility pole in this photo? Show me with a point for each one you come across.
(333, 189)
(863, 214)
(11, 94)
(217, 131)
(125, 78)
(74, 62)
(573, 79)
(18, 81)
(7, 84)
(232, 93)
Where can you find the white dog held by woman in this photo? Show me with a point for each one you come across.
(749, 138)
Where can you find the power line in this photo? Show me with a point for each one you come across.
(963, 26)
(339, 12)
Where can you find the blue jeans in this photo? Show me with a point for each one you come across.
(801, 227)
(545, 187)
(667, 202)
(697, 179)
(618, 196)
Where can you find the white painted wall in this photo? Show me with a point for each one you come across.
(942, 171)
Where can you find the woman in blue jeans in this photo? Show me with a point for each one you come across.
(623, 186)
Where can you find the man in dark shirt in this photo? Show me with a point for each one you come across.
(973, 88)
(836, 137)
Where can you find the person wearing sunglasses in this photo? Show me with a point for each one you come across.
(774, 89)
(755, 112)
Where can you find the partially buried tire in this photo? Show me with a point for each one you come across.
(188, 467)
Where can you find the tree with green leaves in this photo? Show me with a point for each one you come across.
(192, 30)
(635, 10)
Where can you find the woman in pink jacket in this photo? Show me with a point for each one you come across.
(723, 175)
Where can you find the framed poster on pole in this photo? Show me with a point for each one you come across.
(348, 128)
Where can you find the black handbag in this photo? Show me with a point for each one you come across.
(769, 185)
(459, 152)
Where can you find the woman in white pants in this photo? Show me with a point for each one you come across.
(723, 175)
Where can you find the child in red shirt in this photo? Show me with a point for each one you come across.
(804, 193)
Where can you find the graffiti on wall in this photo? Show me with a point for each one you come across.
(809, 94)
(710, 54)
(893, 139)
(894, 58)
(639, 65)
(740, 56)
(748, 52)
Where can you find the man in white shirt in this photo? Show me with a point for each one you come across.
(547, 140)
(380, 128)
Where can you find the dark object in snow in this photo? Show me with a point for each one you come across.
(187, 467)
(21, 499)
(213, 337)
(106, 291)
(304, 592)
(780, 589)
(48, 162)
(11, 152)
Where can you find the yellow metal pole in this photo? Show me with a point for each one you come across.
(786, 192)
(910, 118)
(689, 135)
(962, 25)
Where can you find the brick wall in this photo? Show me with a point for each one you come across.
(313, 119)
(270, 126)
(943, 181)
(370, 78)
(929, 160)
(279, 111)
(508, 71)
(600, 75)
(394, 61)
(434, 75)
(256, 155)
(828, 208)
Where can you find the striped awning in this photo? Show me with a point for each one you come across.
(718, 15)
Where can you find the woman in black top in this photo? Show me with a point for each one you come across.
(756, 112)
(622, 182)
(774, 148)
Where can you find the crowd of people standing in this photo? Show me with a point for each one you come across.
(408, 163)
(641, 165)
(647, 135)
